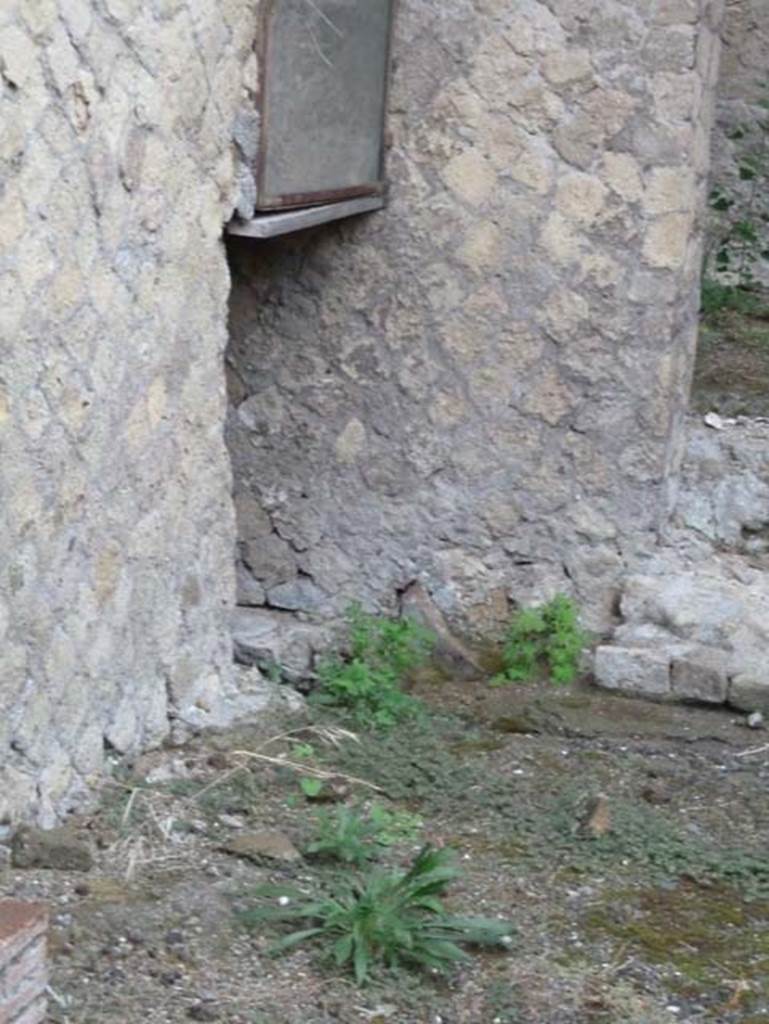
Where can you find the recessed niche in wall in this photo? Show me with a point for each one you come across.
(323, 68)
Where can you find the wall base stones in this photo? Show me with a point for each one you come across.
(277, 642)
(23, 969)
(696, 610)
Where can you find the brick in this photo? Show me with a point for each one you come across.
(20, 923)
(35, 1013)
(23, 974)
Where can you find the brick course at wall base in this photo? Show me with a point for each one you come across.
(23, 973)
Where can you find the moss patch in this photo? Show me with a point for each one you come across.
(710, 938)
(732, 368)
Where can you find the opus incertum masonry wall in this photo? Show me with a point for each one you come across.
(116, 527)
(743, 92)
(480, 387)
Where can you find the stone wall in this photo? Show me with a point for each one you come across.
(695, 610)
(115, 511)
(482, 388)
(743, 91)
(744, 77)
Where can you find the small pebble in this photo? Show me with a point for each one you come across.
(203, 1011)
(231, 820)
(756, 720)
(714, 421)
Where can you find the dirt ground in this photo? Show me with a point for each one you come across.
(662, 918)
(732, 369)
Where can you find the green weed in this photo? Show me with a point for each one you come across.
(716, 297)
(355, 836)
(302, 751)
(367, 685)
(640, 838)
(390, 919)
(395, 826)
(737, 241)
(548, 637)
(345, 834)
(311, 787)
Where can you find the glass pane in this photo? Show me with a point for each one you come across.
(324, 95)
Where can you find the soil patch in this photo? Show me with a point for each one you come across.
(732, 368)
(661, 915)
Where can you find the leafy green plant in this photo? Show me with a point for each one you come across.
(345, 834)
(394, 826)
(547, 636)
(367, 684)
(392, 919)
(302, 751)
(353, 836)
(311, 786)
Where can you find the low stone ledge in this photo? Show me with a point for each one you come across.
(23, 969)
(700, 677)
(749, 692)
(633, 670)
(702, 620)
(272, 639)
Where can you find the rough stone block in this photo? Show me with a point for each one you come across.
(35, 1013)
(275, 640)
(677, 12)
(270, 560)
(57, 848)
(749, 692)
(634, 670)
(448, 651)
(249, 591)
(700, 676)
(299, 595)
